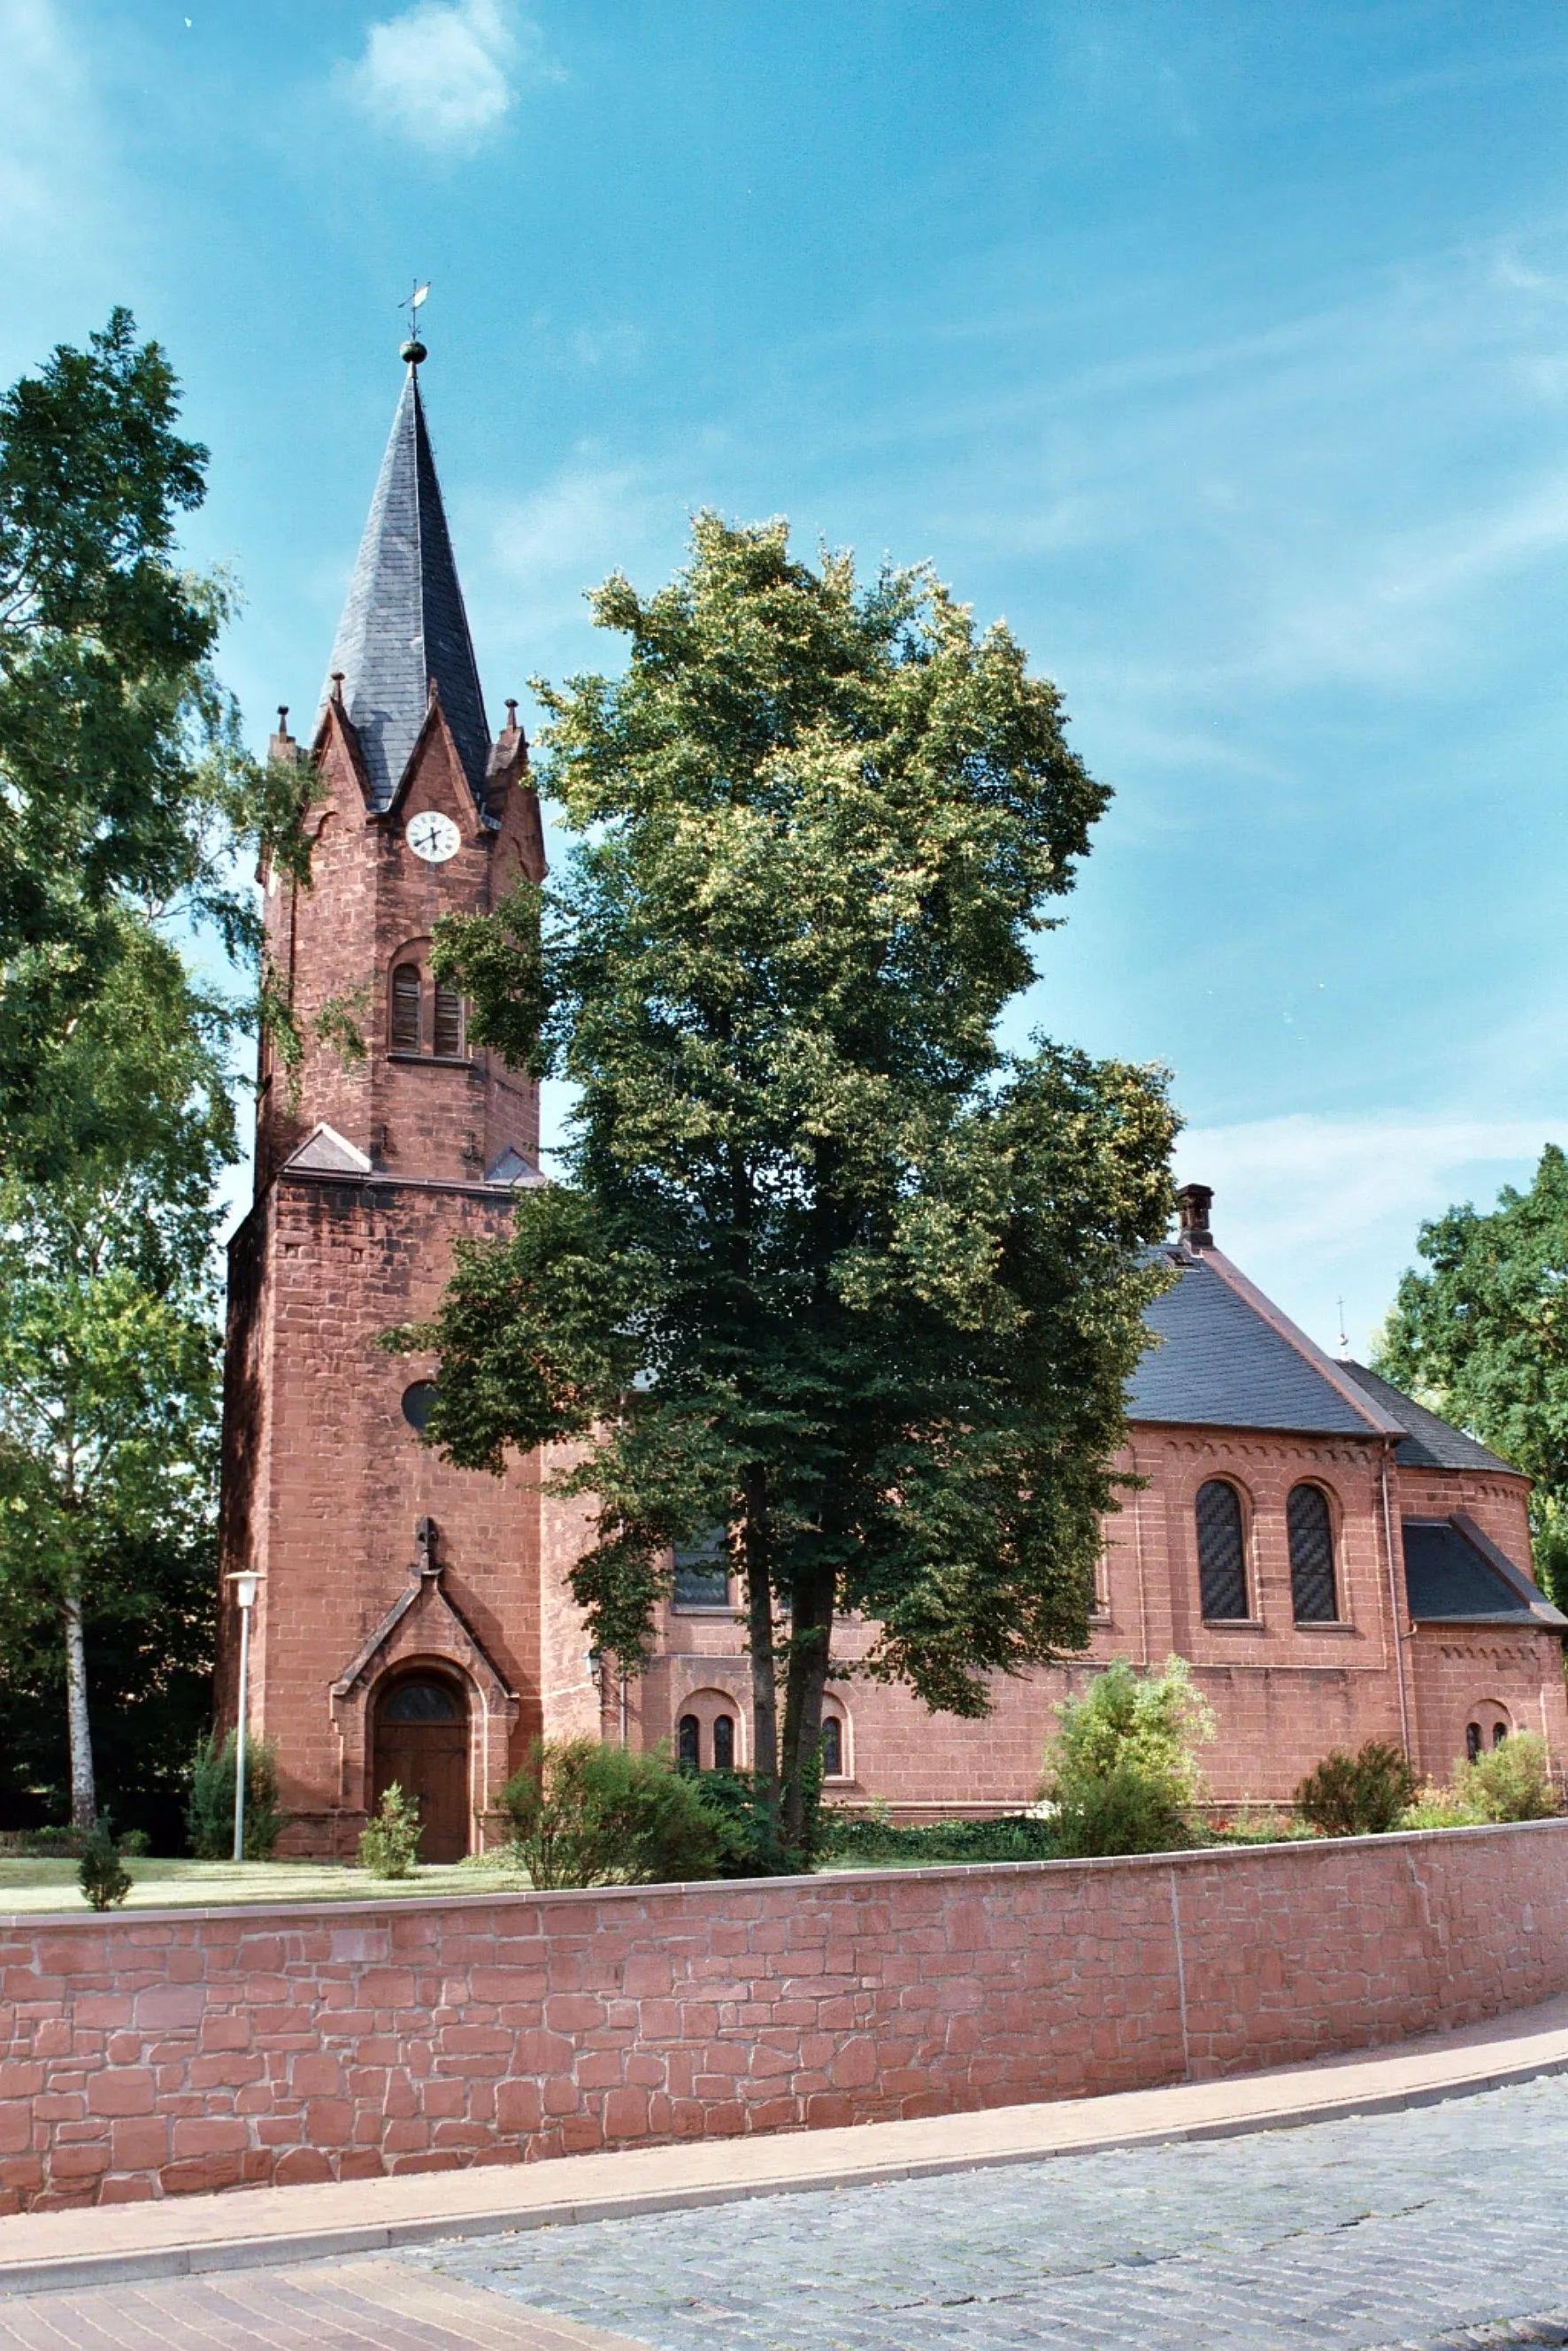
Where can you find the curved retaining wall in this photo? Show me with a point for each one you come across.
(160, 2052)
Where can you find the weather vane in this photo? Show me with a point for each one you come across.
(414, 350)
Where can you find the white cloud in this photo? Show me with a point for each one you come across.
(446, 72)
(541, 555)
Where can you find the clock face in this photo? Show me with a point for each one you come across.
(434, 837)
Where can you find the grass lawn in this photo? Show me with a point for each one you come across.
(39, 1885)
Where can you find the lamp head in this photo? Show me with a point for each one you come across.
(246, 1585)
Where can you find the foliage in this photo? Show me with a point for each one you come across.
(1121, 1772)
(125, 788)
(871, 1837)
(826, 1266)
(210, 1820)
(103, 1877)
(109, 1365)
(1259, 1824)
(1362, 1794)
(1437, 1808)
(746, 1824)
(388, 1841)
(1512, 1782)
(1482, 1338)
(587, 1815)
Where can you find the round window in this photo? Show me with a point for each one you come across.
(418, 1402)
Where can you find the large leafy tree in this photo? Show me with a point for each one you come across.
(123, 788)
(1482, 1334)
(126, 805)
(827, 1267)
(109, 1369)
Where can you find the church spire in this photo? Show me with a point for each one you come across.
(404, 635)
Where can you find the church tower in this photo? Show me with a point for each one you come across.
(407, 1627)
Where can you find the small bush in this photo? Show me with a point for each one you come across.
(587, 1815)
(1437, 1808)
(1121, 1771)
(746, 1826)
(103, 1877)
(1513, 1782)
(1363, 1794)
(210, 1813)
(388, 1841)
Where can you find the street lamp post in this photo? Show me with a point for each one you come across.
(244, 1586)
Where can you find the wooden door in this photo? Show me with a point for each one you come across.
(421, 1743)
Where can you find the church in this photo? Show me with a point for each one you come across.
(1336, 1563)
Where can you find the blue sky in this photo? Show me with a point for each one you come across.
(1221, 348)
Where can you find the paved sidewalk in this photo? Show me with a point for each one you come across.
(370, 2305)
(202, 2235)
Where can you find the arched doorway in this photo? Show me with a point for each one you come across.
(421, 1743)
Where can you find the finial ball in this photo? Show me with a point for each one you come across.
(414, 350)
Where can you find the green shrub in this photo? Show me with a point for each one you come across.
(388, 1841)
(1438, 1808)
(210, 1813)
(1513, 1782)
(587, 1815)
(1363, 1794)
(871, 1837)
(746, 1826)
(103, 1877)
(1121, 1772)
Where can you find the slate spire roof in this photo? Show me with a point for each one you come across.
(403, 626)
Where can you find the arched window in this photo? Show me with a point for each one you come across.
(832, 1748)
(421, 1701)
(448, 1022)
(724, 1742)
(687, 1735)
(1311, 1526)
(1473, 1739)
(1498, 1733)
(405, 1020)
(1221, 1560)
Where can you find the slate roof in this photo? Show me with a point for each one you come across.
(1227, 1358)
(1430, 1443)
(1454, 1575)
(404, 623)
(1222, 1362)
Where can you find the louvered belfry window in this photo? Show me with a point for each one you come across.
(1221, 1562)
(1311, 1524)
(405, 1022)
(448, 1022)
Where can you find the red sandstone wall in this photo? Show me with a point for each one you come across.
(1283, 1694)
(162, 2053)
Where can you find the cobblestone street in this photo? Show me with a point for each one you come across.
(1398, 2229)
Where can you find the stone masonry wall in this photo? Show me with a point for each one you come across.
(158, 2054)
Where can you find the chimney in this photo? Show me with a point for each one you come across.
(1194, 1202)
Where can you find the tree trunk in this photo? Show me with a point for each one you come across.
(810, 1642)
(84, 1796)
(759, 1626)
